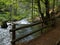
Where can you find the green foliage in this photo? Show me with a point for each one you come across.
(21, 9)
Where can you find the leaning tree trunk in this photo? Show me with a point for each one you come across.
(47, 17)
(39, 8)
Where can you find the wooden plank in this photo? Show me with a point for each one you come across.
(26, 26)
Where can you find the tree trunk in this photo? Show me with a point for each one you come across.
(47, 9)
(39, 8)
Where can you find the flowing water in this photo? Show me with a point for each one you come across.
(5, 35)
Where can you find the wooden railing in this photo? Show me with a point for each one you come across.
(14, 29)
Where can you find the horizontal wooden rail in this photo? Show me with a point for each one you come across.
(26, 26)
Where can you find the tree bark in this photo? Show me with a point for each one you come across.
(39, 8)
(47, 9)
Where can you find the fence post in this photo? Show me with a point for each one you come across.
(13, 34)
(42, 29)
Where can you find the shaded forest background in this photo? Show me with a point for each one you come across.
(19, 9)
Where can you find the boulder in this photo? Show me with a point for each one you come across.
(4, 24)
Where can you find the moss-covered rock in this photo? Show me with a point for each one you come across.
(4, 24)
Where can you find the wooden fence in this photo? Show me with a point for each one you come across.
(14, 29)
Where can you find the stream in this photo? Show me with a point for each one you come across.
(5, 35)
